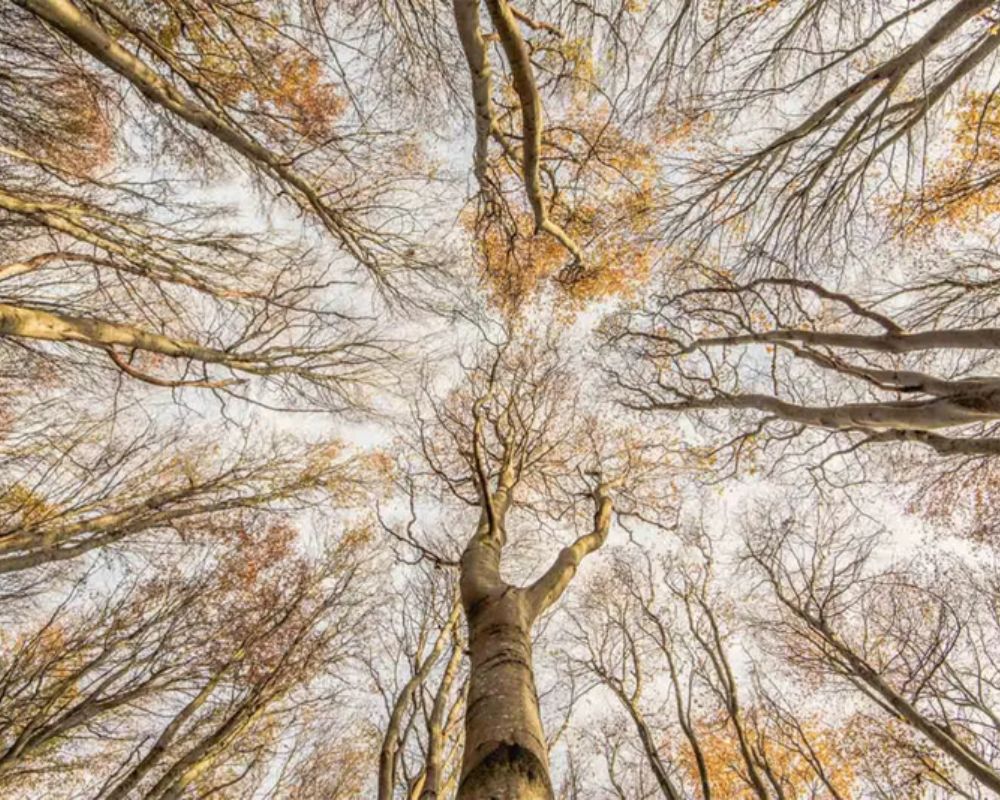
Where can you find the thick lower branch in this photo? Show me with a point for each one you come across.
(952, 338)
(894, 416)
(550, 586)
(471, 37)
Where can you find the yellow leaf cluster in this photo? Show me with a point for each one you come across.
(89, 133)
(241, 61)
(300, 90)
(964, 189)
(27, 505)
(727, 769)
(605, 208)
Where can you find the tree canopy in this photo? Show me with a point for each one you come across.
(489, 400)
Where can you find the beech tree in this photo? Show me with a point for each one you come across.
(92, 495)
(159, 293)
(151, 284)
(917, 649)
(422, 687)
(273, 105)
(510, 439)
(703, 710)
(183, 678)
(118, 291)
(862, 91)
(782, 369)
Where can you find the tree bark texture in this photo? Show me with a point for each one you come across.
(505, 751)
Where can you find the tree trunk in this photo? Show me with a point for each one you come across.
(505, 757)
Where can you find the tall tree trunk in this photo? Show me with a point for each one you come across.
(391, 740)
(437, 725)
(505, 753)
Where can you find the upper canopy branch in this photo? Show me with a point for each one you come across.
(691, 351)
(816, 173)
(958, 338)
(360, 241)
(330, 366)
(504, 20)
(856, 307)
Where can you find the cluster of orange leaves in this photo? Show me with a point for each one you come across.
(965, 187)
(258, 552)
(727, 771)
(255, 577)
(572, 57)
(86, 142)
(605, 210)
(21, 506)
(302, 92)
(253, 65)
(682, 130)
(966, 500)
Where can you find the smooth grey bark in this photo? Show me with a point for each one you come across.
(505, 751)
(390, 741)
(506, 755)
(913, 415)
(434, 777)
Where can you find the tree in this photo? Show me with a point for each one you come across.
(423, 688)
(800, 371)
(119, 294)
(112, 284)
(863, 88)
(95, 494)
(506, 441)
(265, 99)
(151, 284)
(915, 642)
(686, 256)
(181, 678)
(157, 292)
(709, 712)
